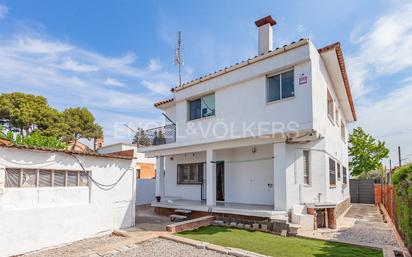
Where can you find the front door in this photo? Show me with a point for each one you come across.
(220, 181)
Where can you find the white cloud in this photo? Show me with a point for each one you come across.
(384, 108)
(72, 65)
(388, 119)
(154, 65)
(4, 10)
(114, 82)
(69, 75)
(157, 87)
(384, 50)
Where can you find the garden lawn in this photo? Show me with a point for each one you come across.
(273, 245)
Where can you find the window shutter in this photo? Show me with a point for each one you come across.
(12, 177)
(72, 178)
(332, 172)
(306, 167)
(59, 178)
(45, 178)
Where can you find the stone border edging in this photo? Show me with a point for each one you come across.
(217, 248)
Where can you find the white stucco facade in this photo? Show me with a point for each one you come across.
(32, 218)
(262, 144)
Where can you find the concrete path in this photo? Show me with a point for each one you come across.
(362, 224)
(149, 226)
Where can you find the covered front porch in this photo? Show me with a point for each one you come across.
(255, 210)
(247, 180)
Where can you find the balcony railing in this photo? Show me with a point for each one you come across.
(157, 136)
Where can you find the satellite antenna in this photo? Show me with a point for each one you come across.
(179, 55)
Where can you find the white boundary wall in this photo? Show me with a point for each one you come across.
(145, 191)
(35, 218)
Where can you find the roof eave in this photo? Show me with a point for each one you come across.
(339, 54)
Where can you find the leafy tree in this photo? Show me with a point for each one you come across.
(140, 138)
(36, 139)
(23, 113)
(366, 152)
(81, 124)
(27, 114)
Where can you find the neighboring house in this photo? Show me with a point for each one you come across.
(146, 170)
(79, 147)
(146, 167)
(47, 198)
(266, 137)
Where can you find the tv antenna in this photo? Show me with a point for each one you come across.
(179, 54)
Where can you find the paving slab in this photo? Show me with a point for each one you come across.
(362, 224)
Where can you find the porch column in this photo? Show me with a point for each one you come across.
(210, 178)
(160, 176)
(279, 176)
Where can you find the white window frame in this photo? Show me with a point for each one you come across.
(331, 118)
(52, 171)
(201, 115)
(329, 173)
(268, 76)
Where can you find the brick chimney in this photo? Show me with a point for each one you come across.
(265, 34)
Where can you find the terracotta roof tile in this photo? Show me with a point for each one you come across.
(43, 149)
(232, 67)
(342, 66)
(161, 102)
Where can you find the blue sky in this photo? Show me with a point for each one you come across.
(116, 57)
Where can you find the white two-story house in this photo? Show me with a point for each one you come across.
(264, 138)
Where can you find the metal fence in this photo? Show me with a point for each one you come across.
(158, 136)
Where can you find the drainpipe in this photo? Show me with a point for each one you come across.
(133, 213)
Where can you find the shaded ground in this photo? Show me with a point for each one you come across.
(362, 224)
(273, 245)
(148, 226)
(148, 220)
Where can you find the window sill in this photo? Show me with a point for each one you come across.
(307, 185)
(332, 187)
(189, 184)
(280, 100)
(200, 119)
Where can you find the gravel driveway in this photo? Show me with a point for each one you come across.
(362, 224)
(165, 248)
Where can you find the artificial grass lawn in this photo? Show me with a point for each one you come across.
(273, 245)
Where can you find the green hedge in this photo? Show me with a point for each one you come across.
(402, 179)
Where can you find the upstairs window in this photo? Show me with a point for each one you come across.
(338, 170)
(190, 173)
(332, 172)
(344, 175)
(330, 107)
(202, 107)
(280, 86)
(337, 116)
(343, 131)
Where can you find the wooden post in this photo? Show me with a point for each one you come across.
(399, 156)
